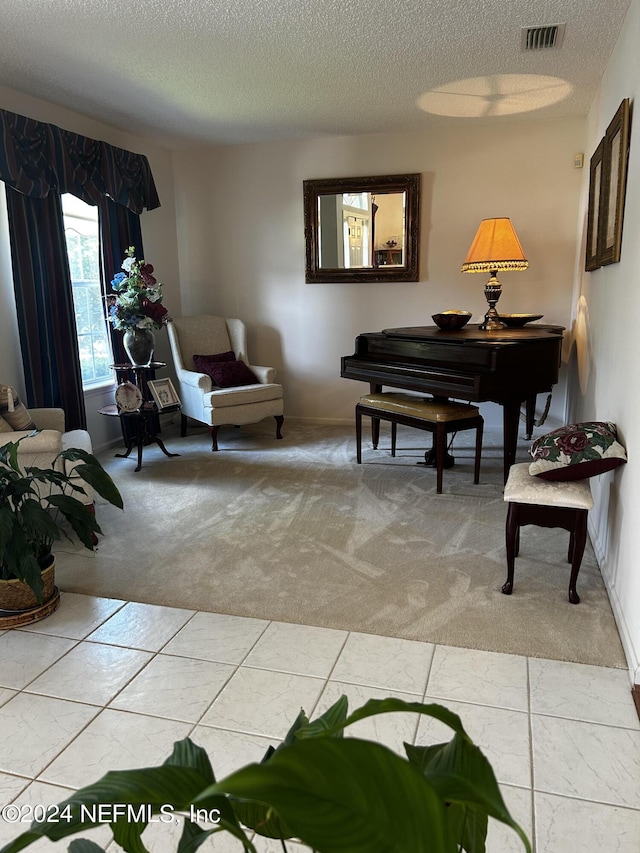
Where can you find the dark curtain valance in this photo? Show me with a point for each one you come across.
(36, 157)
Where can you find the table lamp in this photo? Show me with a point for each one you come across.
(495, 247)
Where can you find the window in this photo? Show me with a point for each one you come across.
(83, 249)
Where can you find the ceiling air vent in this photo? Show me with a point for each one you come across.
(542, 38)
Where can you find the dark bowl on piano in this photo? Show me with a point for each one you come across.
(451, 321)
(517, 321)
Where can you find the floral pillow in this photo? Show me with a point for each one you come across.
(577, 451)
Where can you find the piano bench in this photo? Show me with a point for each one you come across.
(546, 504)
(439, 417)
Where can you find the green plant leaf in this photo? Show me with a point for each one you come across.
(193, 836)
(155, 786)
(461, 774)
(260, 816)
(374, 707)
(38, 521)
(468, 827)
(332, 721)
(300, 721)
(84, 845)
(187, 754)
(93, 473)
(82, 521)
(343, 795)
(128, 835)
(29, 571)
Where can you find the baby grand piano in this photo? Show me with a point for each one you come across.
(507, 366)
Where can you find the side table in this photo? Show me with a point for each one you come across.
(142, 428)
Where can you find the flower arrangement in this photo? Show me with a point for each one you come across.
(137, 301)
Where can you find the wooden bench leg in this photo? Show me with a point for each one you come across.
(440, 437)
(358, 435)
(577, 542)
(375, 432)
(512, 541)
(573, 520)
(394, 434)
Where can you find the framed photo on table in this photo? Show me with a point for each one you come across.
(163, 393)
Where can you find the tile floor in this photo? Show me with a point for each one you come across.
(104, 684)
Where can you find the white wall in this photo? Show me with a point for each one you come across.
(159, 234)
(241, 242)
(604, 366)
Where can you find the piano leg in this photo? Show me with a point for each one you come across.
(531, 415)
(511, 422)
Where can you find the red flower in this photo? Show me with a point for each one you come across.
(155, 310)
(145, 273)
(575, 443)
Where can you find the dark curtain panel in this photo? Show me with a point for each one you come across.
(119, 229)
(39, 162)
(36, 158)
(44, 301)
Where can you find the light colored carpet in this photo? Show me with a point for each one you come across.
(295, 531)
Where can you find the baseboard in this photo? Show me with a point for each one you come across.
(630, 652)
(635, 692)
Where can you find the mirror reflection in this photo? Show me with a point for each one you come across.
(362, 229)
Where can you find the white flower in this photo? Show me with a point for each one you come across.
(127, 264)
(153, 294)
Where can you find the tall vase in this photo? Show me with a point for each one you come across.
(139, 345)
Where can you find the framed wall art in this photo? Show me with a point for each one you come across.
(616, 143)
(607, 186)
(592, 261)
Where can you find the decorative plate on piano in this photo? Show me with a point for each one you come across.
(516, 321)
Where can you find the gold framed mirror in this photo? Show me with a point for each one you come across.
(362, 229)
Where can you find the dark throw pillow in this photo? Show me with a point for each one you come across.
(229, 374)
(577, 451)
(201, 360)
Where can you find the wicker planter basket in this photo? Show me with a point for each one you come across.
(16, 596)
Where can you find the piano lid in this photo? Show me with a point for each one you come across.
(475, 335)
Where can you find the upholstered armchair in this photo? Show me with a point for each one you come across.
(40, 448)
(220, 386)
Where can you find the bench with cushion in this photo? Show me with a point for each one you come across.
(439, 417)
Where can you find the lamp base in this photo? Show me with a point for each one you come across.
(492, 321)
(492, 291)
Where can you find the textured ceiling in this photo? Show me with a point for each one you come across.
(227, 71)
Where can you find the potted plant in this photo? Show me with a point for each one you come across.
(334, 794)
(36, 504)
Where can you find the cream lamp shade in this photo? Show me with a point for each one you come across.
(495, 247)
